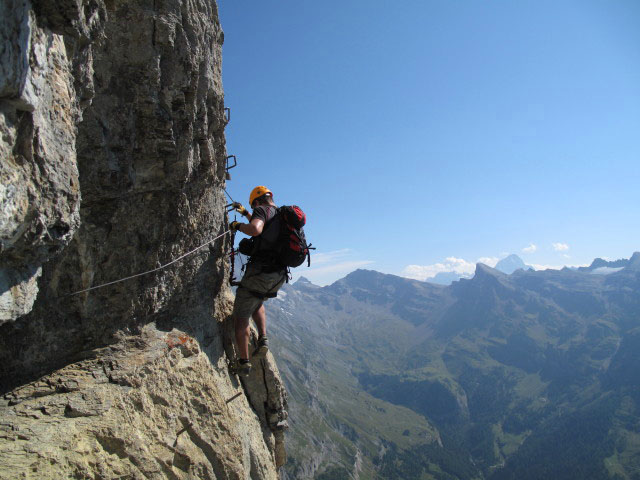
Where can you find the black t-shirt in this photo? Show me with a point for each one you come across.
(270, 231)
(263, 212)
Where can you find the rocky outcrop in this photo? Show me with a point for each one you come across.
(44, 79)
(125, 412)
(113, 163)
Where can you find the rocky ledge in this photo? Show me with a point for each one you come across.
(149, 406)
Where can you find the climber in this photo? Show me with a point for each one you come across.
(263, 275)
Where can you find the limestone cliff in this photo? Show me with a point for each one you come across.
(113, 163)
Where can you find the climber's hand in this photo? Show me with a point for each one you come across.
(240, 209)
(235, 226)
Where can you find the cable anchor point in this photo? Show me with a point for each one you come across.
(229, 167)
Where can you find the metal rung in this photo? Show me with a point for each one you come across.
(229, 167)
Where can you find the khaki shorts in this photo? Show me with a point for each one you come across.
(259, 282)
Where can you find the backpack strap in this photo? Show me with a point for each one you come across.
(309, 248)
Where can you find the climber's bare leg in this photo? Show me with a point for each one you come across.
(260, 317)
(242, 337)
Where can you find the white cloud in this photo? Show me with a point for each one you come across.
(530, 249)
(560, 247)
(537, 266)
(490, 261)
(330, 257)
(555, 267)
(605, 270)
(450, 264)
(346, 266)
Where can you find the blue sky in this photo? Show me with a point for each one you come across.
(439, 133)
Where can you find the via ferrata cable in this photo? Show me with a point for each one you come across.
(161, 267)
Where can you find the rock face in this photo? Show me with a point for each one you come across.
(40, 105)
(125, 412)
(113, 163)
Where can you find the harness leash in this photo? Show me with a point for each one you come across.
(232, 273)
(225, 191)
(161, 267)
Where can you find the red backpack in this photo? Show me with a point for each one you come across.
(291, 246)
(282, 239)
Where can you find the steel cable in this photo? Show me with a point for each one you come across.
(161, 267)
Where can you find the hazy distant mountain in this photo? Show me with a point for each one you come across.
(507, 265)
(305, 282)
(524, 376)
(511, 263)
(600, 265)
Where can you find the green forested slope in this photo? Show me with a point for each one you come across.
(529, 375)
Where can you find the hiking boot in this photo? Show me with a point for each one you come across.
(243, 369)
(262, 347)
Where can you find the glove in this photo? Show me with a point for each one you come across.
(235, 226)
(240, 209)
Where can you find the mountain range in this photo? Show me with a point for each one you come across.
(523, 376)
(507, 265)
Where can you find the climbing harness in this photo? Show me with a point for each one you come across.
(161, 267)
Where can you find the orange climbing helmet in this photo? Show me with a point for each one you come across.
(259, 191)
